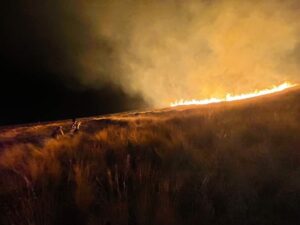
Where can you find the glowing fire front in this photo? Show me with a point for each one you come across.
(230, 98)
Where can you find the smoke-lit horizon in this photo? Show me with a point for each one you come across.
(168, 50)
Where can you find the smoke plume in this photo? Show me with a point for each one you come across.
(173, 49)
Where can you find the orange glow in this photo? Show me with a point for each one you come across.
(230, 98)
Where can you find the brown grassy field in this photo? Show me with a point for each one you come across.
(230, 163)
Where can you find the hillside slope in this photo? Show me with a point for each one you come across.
(228, 163)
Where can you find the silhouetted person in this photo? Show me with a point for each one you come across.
(75, 127)
(58, 132)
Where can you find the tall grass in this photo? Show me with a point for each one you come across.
(221, 166)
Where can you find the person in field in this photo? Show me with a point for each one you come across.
(58, 132)
(75, 127)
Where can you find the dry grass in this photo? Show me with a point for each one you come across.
(232, 164)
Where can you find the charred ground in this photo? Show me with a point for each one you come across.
(231, 163)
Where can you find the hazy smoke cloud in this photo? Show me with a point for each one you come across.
(173, 49)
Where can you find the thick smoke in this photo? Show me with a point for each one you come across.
(173, 49)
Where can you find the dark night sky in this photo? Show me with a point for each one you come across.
(39, 45)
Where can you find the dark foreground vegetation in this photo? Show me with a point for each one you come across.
(236, 163)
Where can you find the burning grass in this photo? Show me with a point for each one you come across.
(225, 165)
(230, 97)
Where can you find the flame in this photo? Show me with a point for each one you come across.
(230, 98)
